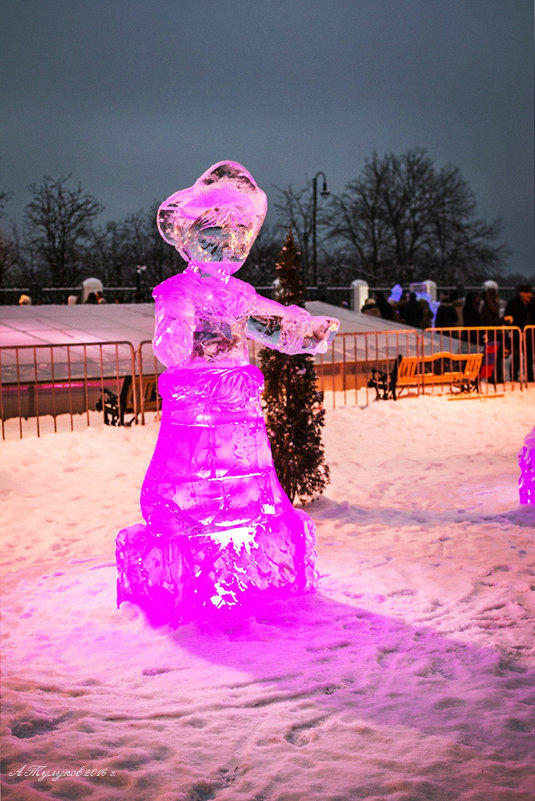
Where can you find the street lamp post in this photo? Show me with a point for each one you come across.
(323, 193)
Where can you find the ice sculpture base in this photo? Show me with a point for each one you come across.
(175, 578)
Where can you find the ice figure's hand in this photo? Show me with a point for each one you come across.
(295, 324)
(290, 329)
(323, 331)
(302, 333)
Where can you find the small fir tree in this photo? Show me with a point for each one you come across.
(292, 404)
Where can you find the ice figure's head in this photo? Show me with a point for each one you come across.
(217, 219)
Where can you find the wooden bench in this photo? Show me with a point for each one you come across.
(436, 370)
(129, 401)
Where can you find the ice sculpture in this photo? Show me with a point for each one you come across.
(219, 530)
(526, 459)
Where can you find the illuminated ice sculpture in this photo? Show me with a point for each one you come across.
(526, 459)
(219, 530)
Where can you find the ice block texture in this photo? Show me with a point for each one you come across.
(218, 218)
(219, 530)
(526, 459)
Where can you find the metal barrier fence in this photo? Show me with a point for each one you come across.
(38, 381)
(9, 296)
(344, 369)
(502, 347)
(529, 352)
(149, 370)
(347, 366)
(337, 295)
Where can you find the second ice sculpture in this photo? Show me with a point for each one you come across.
(526, 460)
(219, 530)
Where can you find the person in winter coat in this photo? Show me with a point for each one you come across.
(427, 313)
(412, 311)
(371, 307)
(472, 317)
(490, 310)
(457, 303)
(490, 316)
(446, 314)
(471, 313)
(385, 309)
(520, 312)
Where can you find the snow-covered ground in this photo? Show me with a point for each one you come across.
(408, 676)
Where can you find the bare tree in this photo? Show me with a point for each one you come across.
(9, 256)
(5, 197)
(58, 228)
(147, 247)
(119, 248)
(402, 220)
(294, 208)
(109, 258)
(7, 242)
(260, 264)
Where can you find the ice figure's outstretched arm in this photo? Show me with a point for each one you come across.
(290, 329)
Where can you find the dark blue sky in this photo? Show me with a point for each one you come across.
(136, 99)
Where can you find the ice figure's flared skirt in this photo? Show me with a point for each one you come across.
(220, 532)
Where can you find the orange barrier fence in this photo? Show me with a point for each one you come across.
(529, 353)
(46, 381)
(503, 364)
(347, 366)
(39, 381)
(149, 369)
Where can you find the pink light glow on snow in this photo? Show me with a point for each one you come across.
(418, 643)
(219, 530)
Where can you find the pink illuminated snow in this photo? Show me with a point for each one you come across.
(408, 676)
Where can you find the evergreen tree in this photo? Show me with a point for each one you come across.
(292, 404)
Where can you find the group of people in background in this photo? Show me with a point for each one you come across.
(485, 310)
(409, 309)
(92, 298)
(477, 309)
